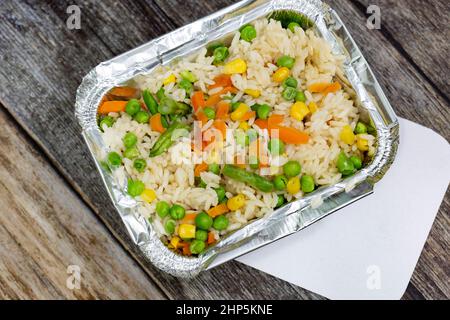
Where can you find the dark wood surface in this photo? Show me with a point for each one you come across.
(43, 63)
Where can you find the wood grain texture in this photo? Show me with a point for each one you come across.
(408, 23)
(45, 227)
(43, 65)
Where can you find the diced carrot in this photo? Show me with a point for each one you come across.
(156, 124)
(200, 168)
(323, 87)
(332, 88)
(262, 124)
(248, 115)
(201, 116)
(222, 127)
(208, 137)
(215, 98)
(218, 210)
(222, 110)
(222, 80)
(186, 250)
(274, 120)
(211, 238)
(198, 100)
(292, 136)
(112, 106)
(123, 92)
(189, 219)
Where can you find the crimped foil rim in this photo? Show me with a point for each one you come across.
(289, 219)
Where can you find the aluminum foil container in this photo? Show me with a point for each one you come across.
(282, 222)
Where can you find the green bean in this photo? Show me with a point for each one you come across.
(150, 102)
(161, 93)
(186, 85)
(249, 178)
(165, 140)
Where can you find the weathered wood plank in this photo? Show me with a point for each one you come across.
(45, 227)
(35, 62)
(407, 23)
(44, 62)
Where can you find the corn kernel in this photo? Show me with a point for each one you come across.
(148, 195)
(281, 74)
(175, 242)
(313, 107)
(293, 185)
(169, 79)
(253, 93)
(347, 135)
(299, 111)
(362, 144)
(186, 231)
(239, 112)
(244, 126)
(236, 202)
(235, 66)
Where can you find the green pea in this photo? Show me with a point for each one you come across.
(357, 162)
(131, 153)
(189, 76)
(106, 121)
(220, 191)
(263, 111)
(292, 169)
(248, 33)
(281, 201)
(129, 140)
(209, 113)
(220, 54)
(280, 183)
(140, 165)
(307, 184)
(276, 147)
(286, 61)
(114, 159)
(293, 25)
(345, 165)
(162, 209)
(360, 128)
(135, 187)
(300, 96)
(203, 221)
(290, 82)
(289, 93)
(142, 117)
(214, 168)
(213, 46)
(169, 226)
(186, 85)
(201, 235)
(235, 105)
(197, 246)
(132, 107)
(220, 223)
(177, 212)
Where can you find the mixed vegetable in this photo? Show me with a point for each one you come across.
(192, 233)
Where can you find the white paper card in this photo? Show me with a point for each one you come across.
(369, 249)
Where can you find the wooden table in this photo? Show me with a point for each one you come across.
(55, 211)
